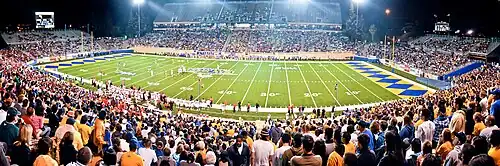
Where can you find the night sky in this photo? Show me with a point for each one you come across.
(482, 15)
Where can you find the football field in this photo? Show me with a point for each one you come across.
(277, 84)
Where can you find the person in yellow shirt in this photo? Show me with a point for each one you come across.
(335, 159)
(84, 130)
(446, 146)
(494, 152)
(131, 158)
(479, 126)
(44, 148)
(348, 145)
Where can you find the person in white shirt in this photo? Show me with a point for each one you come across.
(278, 155)
(147, 153)
(490, 126)
(425, 131)
(262, 150)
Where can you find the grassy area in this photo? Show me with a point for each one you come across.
(251, 116)
(271, 84)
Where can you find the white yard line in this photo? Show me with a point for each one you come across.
(333, 96)
(253, 79)
(106, 69)
(246, 66)
(343, 85)
(307, 86)
(214, 82)
(184, 77)
(269, 85)
(162, 69)
(358, 83)
(288, 86)
(141, 68)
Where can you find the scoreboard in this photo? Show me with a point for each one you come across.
(44, 20)
(441, 27)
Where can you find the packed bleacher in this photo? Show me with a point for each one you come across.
(47, 120)
(435, 55)
(251, 12)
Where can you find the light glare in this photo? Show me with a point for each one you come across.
(138, 2)
(358, 1)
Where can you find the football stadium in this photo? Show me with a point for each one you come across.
(249, 83)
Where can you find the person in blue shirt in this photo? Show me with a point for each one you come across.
(408, 130)
(495, 106)
(362, 125)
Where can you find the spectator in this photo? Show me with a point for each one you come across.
(278, 155)
(408, 131)
(349, 146)
(320, 149)
(480, 144)
(414, 152)
(20, 152)
(366, 156)
(307, 157)
(239, 153)
(67, 152)
(431, 160)
(482, 160)
(166, 159)
(84, 129)
(43, 150)
(350, 159)
(441, 122)
(211, 159)
(295, 150)
(494, 151)
(362, 129)
(445, 144)
(393, 155)
(426, 149)
(495, 106)
(263, 150)
(490, 126)
(479, 125)
(334, 159)
(147, 153)
(8, 127)
(99, 131)
(425, 131)
(83, 157)
(131, 158)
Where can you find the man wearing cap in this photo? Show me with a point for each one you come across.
(8, 127)
(495, 106)
(69, 126)
(262, 150)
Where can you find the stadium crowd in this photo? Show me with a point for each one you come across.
(436, 55)
(45, 120)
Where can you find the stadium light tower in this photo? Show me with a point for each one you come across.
(138, 3)
(357, 2)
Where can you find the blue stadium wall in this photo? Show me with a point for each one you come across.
(461, 71)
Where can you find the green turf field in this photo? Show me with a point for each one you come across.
(271, 84)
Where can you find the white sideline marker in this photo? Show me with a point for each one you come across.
(288, 86)
(307, 86)
(269, 85)
(324, 84)
(253, 79)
